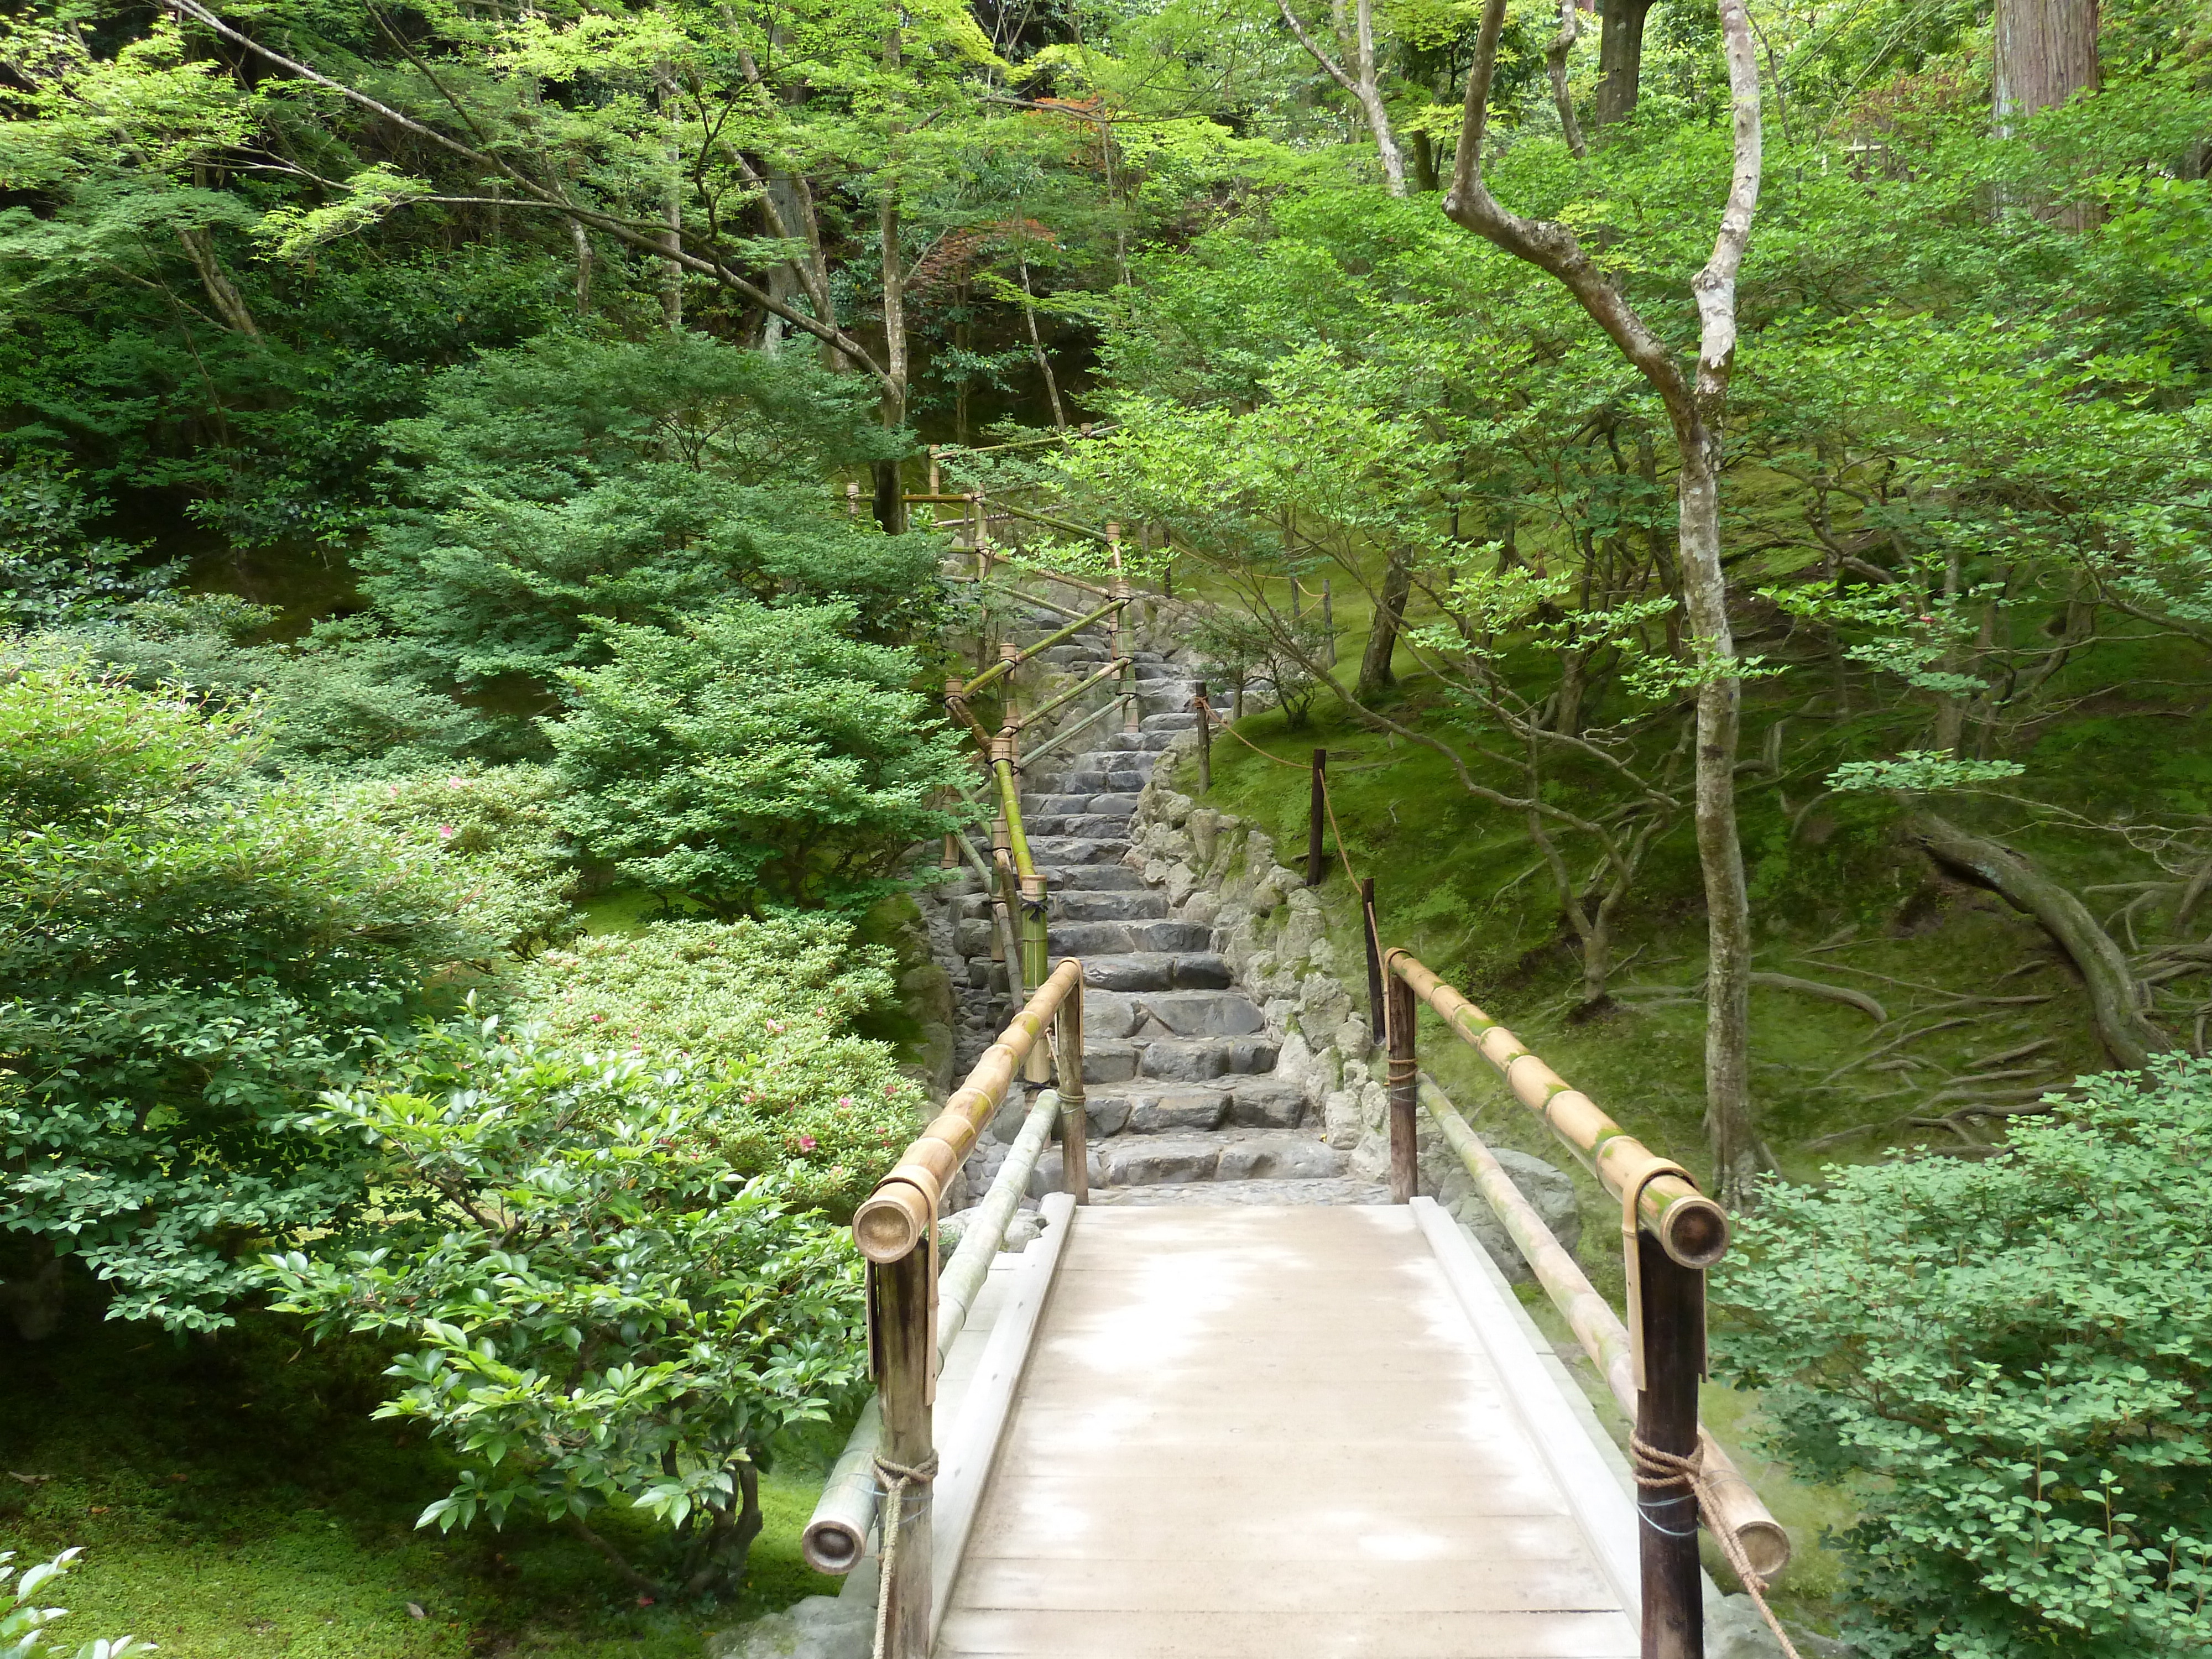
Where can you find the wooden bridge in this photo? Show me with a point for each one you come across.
(1323, 1427)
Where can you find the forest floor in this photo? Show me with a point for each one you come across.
(236, 1501)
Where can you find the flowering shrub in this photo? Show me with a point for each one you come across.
(761, 1014)
(2010, 1365)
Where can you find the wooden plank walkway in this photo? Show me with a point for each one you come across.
(1271, 1432)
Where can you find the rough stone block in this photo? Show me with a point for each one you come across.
(1179, 1111)
(1266, 1103)
(1278, 1157)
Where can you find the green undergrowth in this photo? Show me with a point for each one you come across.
(235, 1501)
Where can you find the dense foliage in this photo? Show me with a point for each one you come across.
(25, 1626)
(602, 1310)
(2011, 1365)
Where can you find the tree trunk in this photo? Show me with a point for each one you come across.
(1695, 409)
(1365, 90)
(1424, 161)
(1555, 61)
(2046, 52)
(223, 294)
(1375, 674)
(583, 241)
(2115, 996)
(1620, 60)
(1036, 350)
(890, 491)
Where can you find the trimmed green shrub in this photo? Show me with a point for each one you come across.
(601, 1310)
(2009, 1365)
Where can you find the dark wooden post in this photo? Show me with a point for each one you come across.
(1377, 1012)
(1205, 741)
(1074, 1143)
(1316, 816)
(1404, 1077)
(1673, 1311)
(900, 1294)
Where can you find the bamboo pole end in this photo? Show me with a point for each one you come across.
(833, 1546)
(1694, 1231)
(891, 1221)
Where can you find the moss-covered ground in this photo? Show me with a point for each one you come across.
(235, 1501)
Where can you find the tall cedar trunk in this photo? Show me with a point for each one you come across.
(1620, 60)
(890, 501)
(1375, 674)
(1695, 409)
(1358, 43)
(2046, 52)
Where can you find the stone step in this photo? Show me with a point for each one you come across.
(1234, 1155)
(1092, 775)
(1265, 1101)
(1335, 1189)
(1143, 1014)
(1077, 849)
(1175, 1060)
(1121, 805)
(1181, 721)
(1150, 741)
(1144, 905)
(1163, 670)
(1151, 970)
(1091, 878)
(1108, 938)
(1100, 826)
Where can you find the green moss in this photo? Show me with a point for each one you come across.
(235, 1501)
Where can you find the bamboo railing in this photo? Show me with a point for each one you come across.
(896, 1230)
(1670, 1233)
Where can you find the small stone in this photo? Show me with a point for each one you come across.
(1550, 1192)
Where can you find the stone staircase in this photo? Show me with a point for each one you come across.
(1183, 1102)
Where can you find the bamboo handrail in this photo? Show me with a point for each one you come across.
(1010, 803)
(1598, 1329)
(896, 1218)
(836, 1537)
(1056, 524)
(1032, 716)
(1007, 664)
(1690, 1227)
(1059, 740)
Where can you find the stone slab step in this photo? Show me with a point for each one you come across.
(1142, 1014)
(1118, 773)
(1122, 803)
(1175, 1060)
(1077, 849)
(1139, 1108)
(1338, 1189)
(1142, 905)
(1160, 970)
(1100, 826)
(1091, 879)
(1184, 721)
(1111, 938)
(1234, 1155)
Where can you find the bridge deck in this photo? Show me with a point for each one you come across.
(1275, 1431)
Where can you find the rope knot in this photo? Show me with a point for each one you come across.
(1659, 1471)
(896, 1479)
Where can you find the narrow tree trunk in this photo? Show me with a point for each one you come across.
(1036, 348)
(581, 240)
(1424, 161)
(223, 294)
(890, 498)
(1375, 674)
(671, 205)
(1365, 90)
(1555, 61)
(2115, 996)
(1620, 60)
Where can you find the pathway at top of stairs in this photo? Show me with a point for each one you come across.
(1183, 1101)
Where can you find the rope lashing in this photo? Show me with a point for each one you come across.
(1662, 1470)
(896, 1478)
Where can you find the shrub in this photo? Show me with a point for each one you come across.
(187, 960)
(603, 1311)
(2011, 1365)
(760, 1013)
(23, 1624)
(757, 757)
(52, 569)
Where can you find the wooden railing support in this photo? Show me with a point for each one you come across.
(1673, 1316)
(1205, 740)
(1074, 1126)
(1377, 1012)
(1404, 1076)
(1316, 821)
(901, 1309)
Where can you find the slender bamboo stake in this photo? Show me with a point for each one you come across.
(936, 483)
(1377, 1011)
(1404, 1079)
(1067, 734)
(1132, 712)
(852, 501)
(1317, 817)
(902, 1295)
(1073, 692)
(1205, 741)
(1012, 657)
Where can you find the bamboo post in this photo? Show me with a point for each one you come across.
(1377, 1011)
(1404, 1077)
(936, 483)
(1673, 1313)
(1317, 817)
(852, 501)
(902, 1295)
(981, 535)
(1205, 741)
(1133, 712)
(1035, 944)
(1074, 1138)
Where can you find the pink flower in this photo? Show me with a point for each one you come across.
(806, 1142)
(445, 832)
(598, 1018)
(457, 783)
(845, 1100)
